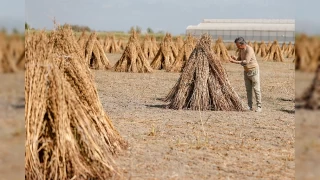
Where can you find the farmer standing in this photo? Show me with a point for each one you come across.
(248, 60)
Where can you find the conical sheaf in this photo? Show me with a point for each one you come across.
(133, 58)
(203, 84)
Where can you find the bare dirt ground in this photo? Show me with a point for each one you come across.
(12, 131)
(172, 144)
(307, 145)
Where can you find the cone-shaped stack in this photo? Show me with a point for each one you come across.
(284, 47)
(121, 44)
(179, 42)
(269, 45)
(68, 134)
(147, 47)
(11, 53)
(232, 46)
(290, 50)
(154, 45)
(94, 53)
(262, 51)
(221, 51)
(255, 47)
(112, 46)
(133, 58)
(166, 54)
(106, 43)
(307, 55)
(274, 53)
(203, 84)
(83, 39)
(184, 54)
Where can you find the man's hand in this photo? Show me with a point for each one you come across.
(233, 61)
(233, 58)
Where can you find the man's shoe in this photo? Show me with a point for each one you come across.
(259, 109)
(250, 109)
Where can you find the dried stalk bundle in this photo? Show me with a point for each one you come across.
(255, 47)
(6, 64)
(83, 39)
(179, 42)
(133, 58)
(113, 46)
(311, 97)
(274, 53)
(165, 55)
(232, 47)
(101, 41)
(94, 53)
(307, 53)
(284, 47)
(121, 45)
(154, 44)
(262, 51)
(21, 61)
(11, 53)
(203, 84)
(195, 41)
(106, 44)
(183, 55)
(68, 134)
(15, 47)
(221, 51)
(147, 47)
(290, 50)
(250, 44)
(287, 48)
(269, 45)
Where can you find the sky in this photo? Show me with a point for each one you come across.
(160, 15)
(12, 14)
(308, 16)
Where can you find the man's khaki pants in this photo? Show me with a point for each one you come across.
(252, 81)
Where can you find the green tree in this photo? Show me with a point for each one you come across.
(149, 30)
(135, 28)
(78, 28)
(3, 30)
(15, 31)
(138, 29)
(26, 26)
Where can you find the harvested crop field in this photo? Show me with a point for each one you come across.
(179, 144)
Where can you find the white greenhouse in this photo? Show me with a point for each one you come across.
(282, 30)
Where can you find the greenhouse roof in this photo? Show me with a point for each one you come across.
(246, 24)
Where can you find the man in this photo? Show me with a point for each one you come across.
(249, 62)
